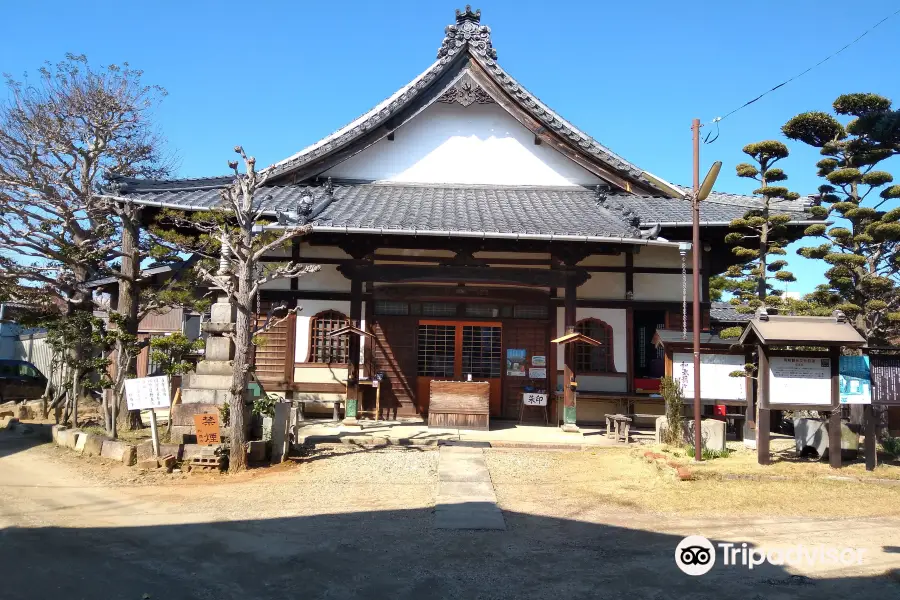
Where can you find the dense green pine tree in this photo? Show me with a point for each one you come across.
(861, 247)
(760, 233)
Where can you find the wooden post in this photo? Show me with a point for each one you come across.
(353, 345)
(629, 343)
(871, 448)
(696, 250)
(762, 422)
(377, 400)
(154, 431)
(569, 408)
(750, 413)
(834, 421)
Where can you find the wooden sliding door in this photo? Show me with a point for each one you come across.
(453, 350)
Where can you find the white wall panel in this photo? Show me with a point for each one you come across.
(477, 144)
(661, 286)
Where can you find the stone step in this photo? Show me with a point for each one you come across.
(466, 497)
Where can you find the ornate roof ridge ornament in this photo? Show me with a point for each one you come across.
(467, 30)
(466, 91)
(613, 204)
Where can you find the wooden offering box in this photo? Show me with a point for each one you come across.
(460, 405)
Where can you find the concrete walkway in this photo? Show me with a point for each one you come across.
(465, 498)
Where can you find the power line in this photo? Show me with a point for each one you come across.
(824, 60)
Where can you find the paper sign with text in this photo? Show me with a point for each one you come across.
(148, 392)
(534, 399)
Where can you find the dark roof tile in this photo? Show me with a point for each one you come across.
(503, 209)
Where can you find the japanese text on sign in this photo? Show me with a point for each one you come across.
(799, 380)
(534, 399)
(147, 392)
(207, 426)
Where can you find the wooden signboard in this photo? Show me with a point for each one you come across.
(460, 404)
(885, 379)
(716, 382)
(207, 425)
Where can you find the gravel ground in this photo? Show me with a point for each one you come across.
(350, 522)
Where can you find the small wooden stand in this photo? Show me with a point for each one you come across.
(545, 408)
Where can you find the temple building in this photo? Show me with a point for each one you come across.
(464, 225)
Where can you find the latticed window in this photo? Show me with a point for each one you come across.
(594, 359)
(325, 349)
(437, 350)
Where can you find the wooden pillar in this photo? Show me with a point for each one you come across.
(352, 406)
(629, 344)
(762, 421)
(569, 408)
(834, 421)
(750, 413)
(552, 360)
(629, 275)
(871, 449)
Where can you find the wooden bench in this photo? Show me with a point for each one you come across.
(618, 425)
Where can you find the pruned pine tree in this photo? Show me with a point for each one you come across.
(761, 232)
(234, 239)
(139, 296)
(59, 137)
(862, 246)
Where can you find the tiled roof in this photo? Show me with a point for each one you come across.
(467, 37)
(726, 312)
(477, 208)
(801, 204)
(676, 337)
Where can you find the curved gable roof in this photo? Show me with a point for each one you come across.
(466, 46)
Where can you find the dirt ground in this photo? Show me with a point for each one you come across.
(358, 523)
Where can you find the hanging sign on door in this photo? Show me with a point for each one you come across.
(515, 362)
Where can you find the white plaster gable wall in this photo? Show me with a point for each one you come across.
(614, 317)
(476, 144)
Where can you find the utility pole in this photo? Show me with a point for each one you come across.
(695, 256)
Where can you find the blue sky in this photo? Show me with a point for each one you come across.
(631, 74)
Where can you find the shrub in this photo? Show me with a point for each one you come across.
(891, 445)
(265, 406)
(670, 388)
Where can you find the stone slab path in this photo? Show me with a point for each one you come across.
(466, 498)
